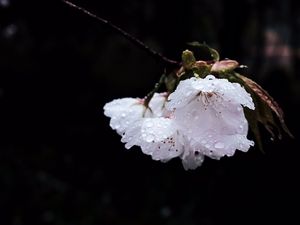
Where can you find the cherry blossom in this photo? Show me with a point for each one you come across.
(210, 112)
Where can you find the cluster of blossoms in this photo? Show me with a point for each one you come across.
(199, 115)
(202, 117)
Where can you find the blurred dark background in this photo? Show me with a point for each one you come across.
(61, 164)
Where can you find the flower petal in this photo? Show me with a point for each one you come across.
(124, 112)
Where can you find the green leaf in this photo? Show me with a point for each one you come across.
(265, 109)
(251, 117)
(267, 105)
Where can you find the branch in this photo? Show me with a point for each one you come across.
(157, 56)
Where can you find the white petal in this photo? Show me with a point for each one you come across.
(157, 137)
(188, 89)
(217, 145)
(124, 112)
(157, 104)
(183, 94)
(233, 92)
(192, 159)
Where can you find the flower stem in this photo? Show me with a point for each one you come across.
(156, 55)
(155, 89)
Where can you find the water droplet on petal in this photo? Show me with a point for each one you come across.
(210, 77)
(207, 145)
(149, 138)
(241, 128)
(239, 108)
(203, 141)
(189, 114)
(123, 115)
(219, 145)
(188, 93)
(149, 124)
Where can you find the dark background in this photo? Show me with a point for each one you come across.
(61, 164)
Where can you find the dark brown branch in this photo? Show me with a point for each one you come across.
(159, 57)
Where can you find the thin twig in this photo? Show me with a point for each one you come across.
(159, 57)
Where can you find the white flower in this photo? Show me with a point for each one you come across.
(153, 129)
(210, 112)
(125, 112)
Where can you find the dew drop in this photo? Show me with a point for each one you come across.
(203, 141)
(207, 145)
(149, 138)
(210, 77)
(187, 94)
(241, 128)
(200, 86)
(149, 124)
(219, 145)
(188, 114)
(239, 108)
(123, 115)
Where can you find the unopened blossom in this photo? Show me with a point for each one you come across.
(210, 113)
